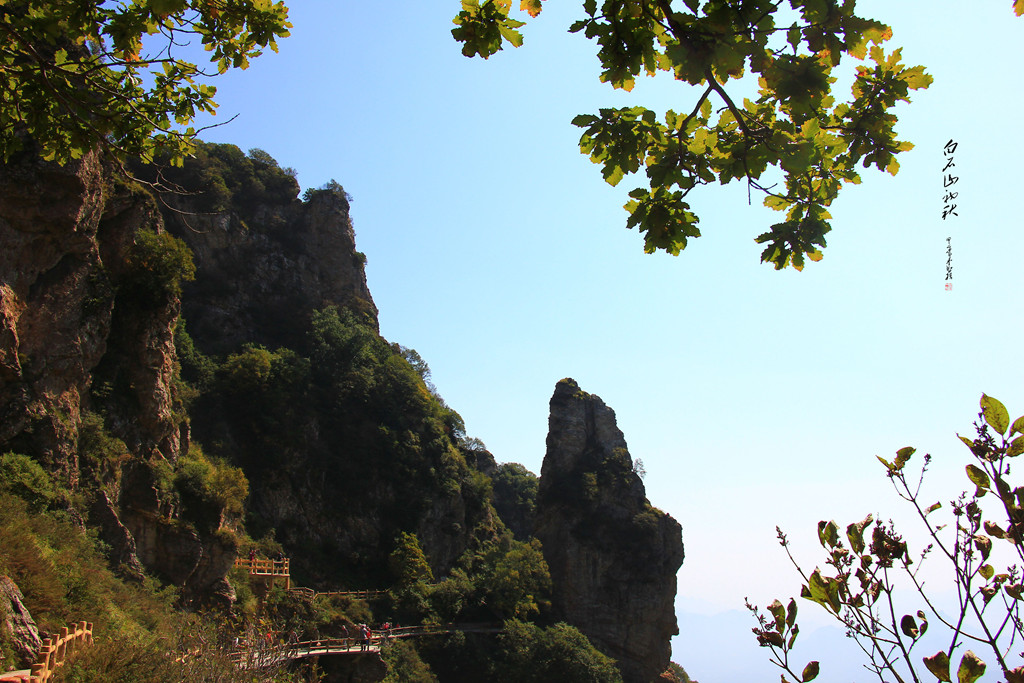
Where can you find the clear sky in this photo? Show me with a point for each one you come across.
(753, 397)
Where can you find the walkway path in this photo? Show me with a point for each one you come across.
(266, 657)
(52, 655)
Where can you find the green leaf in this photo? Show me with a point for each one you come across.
(828, 534)
(938, 665)
(510, 34)
(995, 414)
(779, 612)
(810, 672)
(984, 546)
(909, 627)
(793, 36)
(916, 78)
(987, 571)
(1016, 447)
(971, 668)
(823, 590)
(855, 533)
(164, 8)
(979, 478)
(1018, 426)
(902, 457)
(932, 508)
(791, 613)
(994, 530)
(531, 6)
(613, 173)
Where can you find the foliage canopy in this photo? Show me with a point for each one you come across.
(796, 127)
(78, 74)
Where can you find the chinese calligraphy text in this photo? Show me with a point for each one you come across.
(948, 181)
(949, 264)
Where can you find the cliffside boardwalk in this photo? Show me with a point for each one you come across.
(310, 594)
(256, 654)
(259, 658)
(53, 653)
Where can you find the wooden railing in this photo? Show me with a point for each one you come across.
(272, 568)
(263, 657)
(359, 595)
(56, 650)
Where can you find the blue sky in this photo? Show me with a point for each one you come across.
(753, 397)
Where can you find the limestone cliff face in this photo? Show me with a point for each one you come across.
(258, 279)
(613, 557)
(66, 324)
(78, 334)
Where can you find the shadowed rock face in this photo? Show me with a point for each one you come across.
(78, 334)
(261, 285)
(613, 557)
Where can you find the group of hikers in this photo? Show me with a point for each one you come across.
(366, 634)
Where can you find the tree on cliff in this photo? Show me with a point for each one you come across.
(795, 126)
(81, 74)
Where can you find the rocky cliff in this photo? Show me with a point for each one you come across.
(613, 557)
(264, 266)
(285, 373)
(342, 444)
(89, 300)
(65, 236)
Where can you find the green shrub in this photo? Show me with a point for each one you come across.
(101, 454)
(404, 664)
(407, 562)
(196, 368)
(25, 478)
(515, 498)
(511, 577)
(158, 263)
(210, 481)
(528, 653)
(331, 188)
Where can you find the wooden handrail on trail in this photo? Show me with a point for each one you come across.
(270, 656)
(310, 594)
(272, 568)
(359, 595)
(57, 649)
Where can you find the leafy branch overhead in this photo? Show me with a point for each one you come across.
(116, 74)
(812, 142)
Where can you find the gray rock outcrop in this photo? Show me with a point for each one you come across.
(17, 626)
(613, 557)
